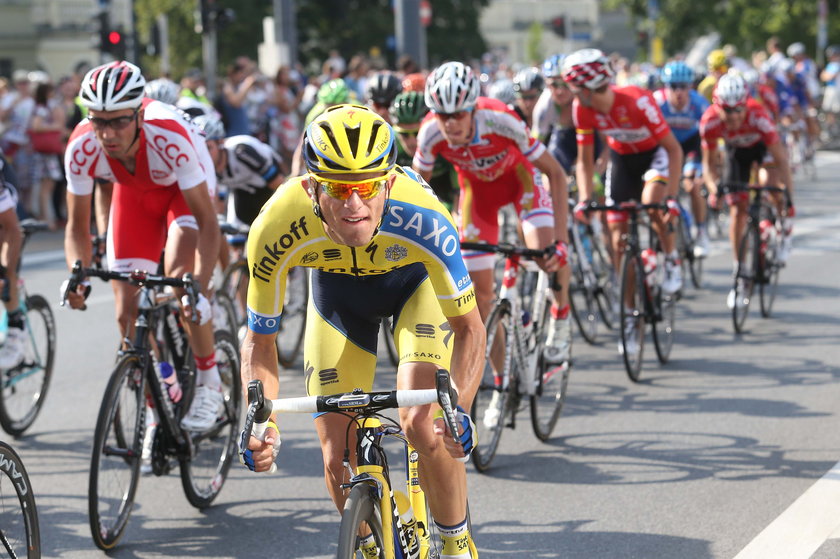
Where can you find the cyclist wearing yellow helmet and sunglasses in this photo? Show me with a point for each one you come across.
(380, 245)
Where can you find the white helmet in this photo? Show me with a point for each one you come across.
(211, 126)
(503, 91)
(589, 68)
(731, 90)
(795, 49)
(163, 90)
(112, 87)
(451, 88)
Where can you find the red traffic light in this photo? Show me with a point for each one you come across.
(115, 37)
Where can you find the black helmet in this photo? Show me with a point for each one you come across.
(382, 88)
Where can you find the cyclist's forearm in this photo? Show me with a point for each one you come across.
(77, 243)
(584, 170)
(259, 362)
(207, 254)
(467, 355)
(559, 193)
(710, 174)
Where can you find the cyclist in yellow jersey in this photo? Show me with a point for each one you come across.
(718, 66)
(380, 244)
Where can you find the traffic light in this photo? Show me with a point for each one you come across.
(111, 39)
(115, 43)
(558, 25)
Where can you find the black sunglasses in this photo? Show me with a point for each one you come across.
(730, 110)
(679, 85)
(116, 123)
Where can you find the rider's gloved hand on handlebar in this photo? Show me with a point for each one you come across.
(468, 438)
(74, 297)
(580, 211)
(202, 307)
(260, 454)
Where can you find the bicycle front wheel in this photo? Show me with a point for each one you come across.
(361, 514)
(224, 313)
(771, 267)
(24, 387)
(235, 285)
(582, 299)
(117, 449)
(663, 325)
(746, 276)
(690, 263)
(606, 290)
(19, 531)
(204, 474)
(490, 406)
(551, 382)
(633, 289)
(293, 322)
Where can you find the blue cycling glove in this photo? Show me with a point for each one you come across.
(469, 434)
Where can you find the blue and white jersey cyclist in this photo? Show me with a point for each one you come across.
(683, 107)
(380, 244)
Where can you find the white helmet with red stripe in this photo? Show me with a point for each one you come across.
(112, 87)
(589, 68)
(731, 90)
(451, 88)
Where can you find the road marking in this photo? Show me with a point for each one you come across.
(42, 257)
(803, 528)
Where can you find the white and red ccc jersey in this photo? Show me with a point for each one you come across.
(634, 124)
(757, 127)
(172, 151)
(500, 141)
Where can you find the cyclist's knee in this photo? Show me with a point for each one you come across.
(416, 423)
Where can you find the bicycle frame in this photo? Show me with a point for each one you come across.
(372, 462)
(526, 356)
(149, 305)
(372, 470)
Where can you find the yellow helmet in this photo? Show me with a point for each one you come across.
(717, 60)
(349, 139)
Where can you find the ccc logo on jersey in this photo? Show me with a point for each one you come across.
(172, 151)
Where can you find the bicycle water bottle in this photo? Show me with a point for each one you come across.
(765, 226)
(526, 318)
(685, 215)
(408, 524)
(649, 262)
(170, 381)
(586, 241)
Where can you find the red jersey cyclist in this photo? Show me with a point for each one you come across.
(160, 199)
(751, 140)
(495, 159)
(645, 157)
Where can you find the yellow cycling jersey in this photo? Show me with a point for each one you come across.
(416, 228)
(706, 87)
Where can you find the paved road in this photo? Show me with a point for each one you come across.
(693, 462)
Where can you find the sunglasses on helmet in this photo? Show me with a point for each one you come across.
(342, 190)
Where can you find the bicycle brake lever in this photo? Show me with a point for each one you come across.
(448, 399)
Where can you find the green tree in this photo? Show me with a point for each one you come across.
(747, 24)
(534, 46)
(350, 26)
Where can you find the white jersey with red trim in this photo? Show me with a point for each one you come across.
(172, 151)
(501, 140)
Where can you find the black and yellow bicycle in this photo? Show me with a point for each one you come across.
(397, 515)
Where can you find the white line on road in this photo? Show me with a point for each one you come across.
(801, 529)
